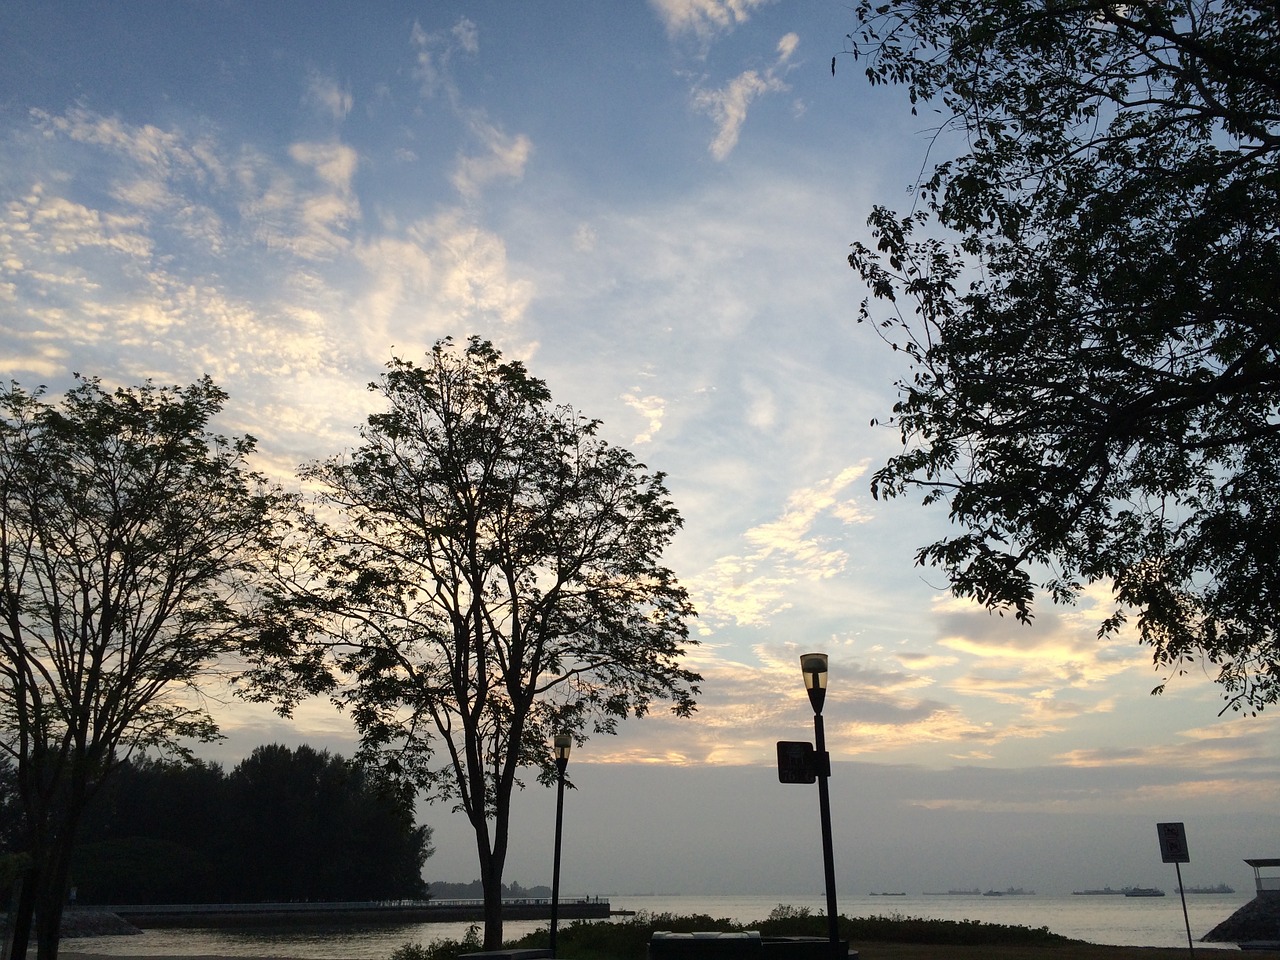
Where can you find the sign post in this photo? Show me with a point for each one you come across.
(1173, 849)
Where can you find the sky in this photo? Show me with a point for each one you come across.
(651, 205)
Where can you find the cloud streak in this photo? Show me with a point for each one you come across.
(728, 106)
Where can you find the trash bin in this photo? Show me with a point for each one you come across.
(711, 945)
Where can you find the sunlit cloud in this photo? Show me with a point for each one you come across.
(925, 661)
(1232, 743)
(167, 153)
(748, 589)
(704, 18)
(443, 276)
(503, 157)
(651, 409)
(727, 106)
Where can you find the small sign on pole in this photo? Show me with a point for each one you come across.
(1173, 849)
(796, 762)
(1173, 843)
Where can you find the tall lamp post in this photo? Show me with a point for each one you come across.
(562, 744)
(814, 667)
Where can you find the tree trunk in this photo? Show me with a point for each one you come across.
(21, 911)
(48, 927)
(491, 882)
(50, 899)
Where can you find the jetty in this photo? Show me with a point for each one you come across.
(159, 915)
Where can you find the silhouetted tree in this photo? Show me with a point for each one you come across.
(285, 824)
(158, 832)
(486, 571)
(313, 826)
(1095, 385)
(129, 536)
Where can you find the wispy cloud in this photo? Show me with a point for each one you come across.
(727, 106)
(747, 589)
(651, 409)
(704, 18)
(159, 266)
(434, 52)
(503, 157)
(328, 96)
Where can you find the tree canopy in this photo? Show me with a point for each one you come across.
(1087, 289)
(285, 824)
(480, 573)
(129, 539)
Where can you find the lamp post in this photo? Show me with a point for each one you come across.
(814, 668)
(562, 744)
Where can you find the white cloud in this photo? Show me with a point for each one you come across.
(748, 589)
(728, 105)
(306, 210)
(651, 408)
(704, 18)
(443, 276)
(503, 158)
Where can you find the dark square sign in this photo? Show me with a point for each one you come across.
(796, 763)
(1173, 843)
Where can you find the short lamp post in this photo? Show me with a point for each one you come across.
(562, 744)
(814, 667)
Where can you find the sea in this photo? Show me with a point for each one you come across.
(1119, 920)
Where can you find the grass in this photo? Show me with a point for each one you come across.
(893, 937)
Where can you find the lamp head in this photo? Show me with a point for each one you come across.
(562, 744)
(814, 668)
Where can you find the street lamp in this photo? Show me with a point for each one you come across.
(562, 743)
(814, 668)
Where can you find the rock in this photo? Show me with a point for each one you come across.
(94, 923)
(1259, 919)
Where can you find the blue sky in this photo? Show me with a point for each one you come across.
(651, 204)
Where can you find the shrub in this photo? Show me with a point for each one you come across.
(629, 939)
(440, 949)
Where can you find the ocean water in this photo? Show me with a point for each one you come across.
(1124, 921)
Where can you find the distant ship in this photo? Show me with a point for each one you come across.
(1104, 892)
(1143, 892)
(1010, 892)
(902, 894)
(1219, 888)
(975, 892)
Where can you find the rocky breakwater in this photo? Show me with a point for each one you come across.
(94, 923)
(1257, 921)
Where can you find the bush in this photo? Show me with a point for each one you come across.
(440, 949)
(629, 939)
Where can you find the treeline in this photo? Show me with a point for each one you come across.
(284, 825)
